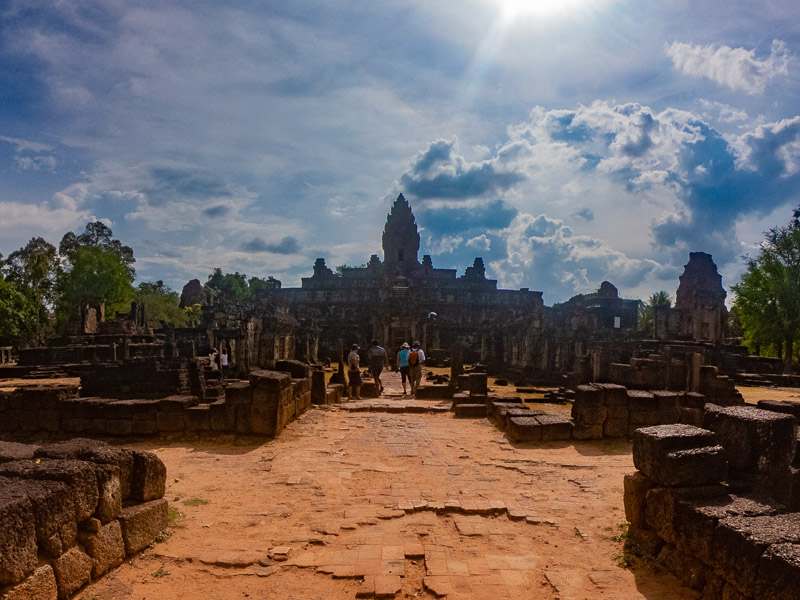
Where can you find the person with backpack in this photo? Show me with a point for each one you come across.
(402, 364)
(416, 358)
(377, 360)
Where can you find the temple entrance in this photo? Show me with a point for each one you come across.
(397, 336)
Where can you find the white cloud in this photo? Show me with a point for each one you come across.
(736, 68)
(480, 242)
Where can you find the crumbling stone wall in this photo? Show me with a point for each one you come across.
(70, 512)
(712, 504)
(261, 406)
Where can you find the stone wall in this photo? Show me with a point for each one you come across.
(261, 406)
(713, 505)
(70, 512)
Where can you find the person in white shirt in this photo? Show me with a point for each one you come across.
(416, 358)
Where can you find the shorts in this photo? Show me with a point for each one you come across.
(376, 368)
(355, 378)
(404, 374)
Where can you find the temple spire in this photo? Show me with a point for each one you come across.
(400, 235)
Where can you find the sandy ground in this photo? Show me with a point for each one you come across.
(346, 504)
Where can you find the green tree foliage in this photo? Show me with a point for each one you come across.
(19, 314)
(161, 304)
(341, 268)
(647, 310)
(94, 265)
(767, 301)
(32, 270)
(238, 286)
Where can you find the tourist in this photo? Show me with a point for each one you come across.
(402, 364)
(377, 360)
(354, 372)
(212, 359)
(223, 362)
(416, 358)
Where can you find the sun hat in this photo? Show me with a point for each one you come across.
(405, 345)
(355, 347)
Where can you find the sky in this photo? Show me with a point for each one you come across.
(566, 142)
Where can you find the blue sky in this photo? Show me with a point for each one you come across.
(566, 142)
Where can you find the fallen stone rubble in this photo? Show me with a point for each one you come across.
(72, 511)
(717, 506)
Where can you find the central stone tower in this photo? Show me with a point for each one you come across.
(400, 235)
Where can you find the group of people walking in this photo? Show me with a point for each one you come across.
(409, 361)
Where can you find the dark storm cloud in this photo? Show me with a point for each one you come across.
(168, 184)
(478, 219)
(220, 210)
(287, 245)
(439, 172)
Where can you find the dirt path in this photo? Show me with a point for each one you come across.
(347, 504)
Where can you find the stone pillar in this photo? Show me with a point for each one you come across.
(318, 387)
(693, 363)
(478, 384)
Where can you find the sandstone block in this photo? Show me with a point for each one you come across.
(223, 416)
(589, 432)
(639, 400)
(693, 400)
(318, 387)
(615, 428)
(295, 368)
(692, 572)
(478, 384)
(555, 427)
(647, 540)
(40, 585)
(149, 476)
(53, 510)
(524, 429)
(170, 422)
(613, 394)
(779, 573)
(589, 396)
(651, 445)
(10, 451)
(78, 475)
(198, 419)
(268, 382)
(17, 537)
(105, 547)
(109, 503)
(238, 393)
(73, 570)
(470, 411)
(696, 520)
(636, 485)
(739, 543)
(94, 451)
(141, 524)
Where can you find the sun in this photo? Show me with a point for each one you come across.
(512, 9)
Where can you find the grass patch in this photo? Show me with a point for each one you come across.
(195, 502)
(161, 572)
(163, 536)
(631, 552)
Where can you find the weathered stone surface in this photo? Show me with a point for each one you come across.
(97, 452)
(615, 428)
(198, 419)
(223, 415)
(478, 384)
(779, 573)
(470, 411)
(40, 585)
(268, 382)
(149, 477)
(646, 540)
(639, 400)
(105, 547)
(318, 387)
(555, 427)
(524, 429)
(73, 570)
(653, 445)
(613, 394)
(13, 451)
(109, 503)
(760, 445)
(589, 396)
(141, 524)
(636, 486)
(696, 520)
(661, 505)
(295, 368)
(692, 572)
(590, 432)
(78, 475)
(739, 543)
(53, 510)
(17, 537)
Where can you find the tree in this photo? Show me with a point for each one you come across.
(256, 284)
(18, 316)
(238, 286)
(96, 266)
(161, 304)
(647, 311)
(33, 270)
(767, 298)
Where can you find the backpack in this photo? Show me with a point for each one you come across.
(413, 357)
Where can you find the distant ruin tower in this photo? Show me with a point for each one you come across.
(700, 300)
(400, 235)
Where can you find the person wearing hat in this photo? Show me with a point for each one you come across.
(377, 360)
(354, 372)
(416, 358)
(402, 364)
